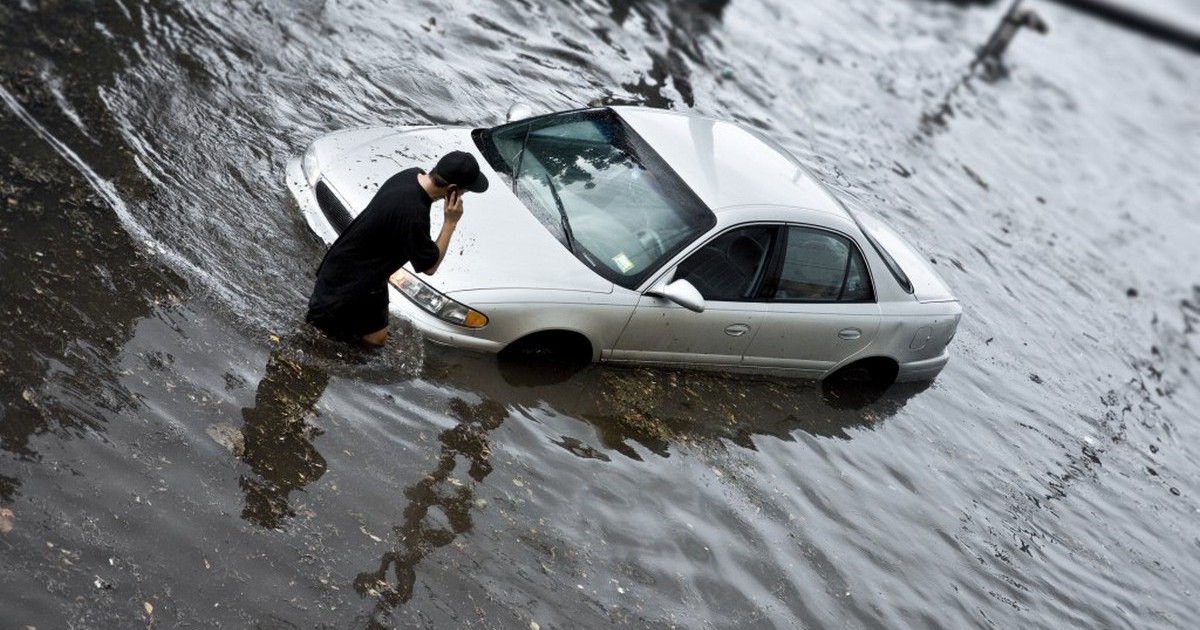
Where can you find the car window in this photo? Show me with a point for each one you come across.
(599, 189)
(731, 266)
(821, 266)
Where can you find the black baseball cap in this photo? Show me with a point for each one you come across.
(461, 169)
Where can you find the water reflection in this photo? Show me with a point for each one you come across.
(439, 505)
(651, 409)
(277, 433)
(277, 438)
(658, 407)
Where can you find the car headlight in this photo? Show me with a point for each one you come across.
(435, 302)
(310, 166)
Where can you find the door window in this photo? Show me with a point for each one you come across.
(821, 266)
(731, 266)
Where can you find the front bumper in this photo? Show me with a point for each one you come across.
(306, 198)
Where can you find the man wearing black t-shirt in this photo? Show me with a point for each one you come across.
(350, 298)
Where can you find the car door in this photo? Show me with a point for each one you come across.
(728, 271)
(820, 307)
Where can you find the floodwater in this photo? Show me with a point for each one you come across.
(176, 450)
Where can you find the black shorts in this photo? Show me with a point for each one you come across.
(352, 319)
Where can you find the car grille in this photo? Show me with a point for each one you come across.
(337, 214)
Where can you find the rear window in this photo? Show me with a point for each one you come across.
(820, 266)
(890, 263)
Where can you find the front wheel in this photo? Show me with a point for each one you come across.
(549, 347)
(544, 358)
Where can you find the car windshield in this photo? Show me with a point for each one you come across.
(599, 189)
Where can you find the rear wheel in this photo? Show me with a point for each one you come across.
(860, 383)
(873, 371)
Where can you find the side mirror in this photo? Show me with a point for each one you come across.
(680, 292)
(518, 111)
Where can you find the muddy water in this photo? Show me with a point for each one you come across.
(176, 450)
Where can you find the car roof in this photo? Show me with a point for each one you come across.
(726, 164)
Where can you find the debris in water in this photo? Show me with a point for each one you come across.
(6, 520)
(432, 27)
(228, 436)
(976, 178)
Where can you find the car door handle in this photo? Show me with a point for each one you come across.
(849, 334)
(737, 330)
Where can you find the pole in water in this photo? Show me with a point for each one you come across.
(989, 57)
(1014, 19)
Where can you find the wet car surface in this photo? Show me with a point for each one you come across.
(697, 243)
(176, 449)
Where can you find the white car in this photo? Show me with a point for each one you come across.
(641, 236)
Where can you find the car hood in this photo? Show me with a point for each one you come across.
(498, 243)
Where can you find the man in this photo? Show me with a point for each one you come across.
(350, 298)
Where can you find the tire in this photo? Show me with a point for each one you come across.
(860, 383)
(552, 346)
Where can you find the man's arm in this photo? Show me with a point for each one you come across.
(454, 212)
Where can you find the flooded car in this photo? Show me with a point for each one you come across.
(642, 236)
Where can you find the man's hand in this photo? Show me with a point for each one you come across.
(454, 206)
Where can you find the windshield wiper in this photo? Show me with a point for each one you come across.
(562, 212)
(520, 158)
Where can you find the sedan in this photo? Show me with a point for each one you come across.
(642, 236)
